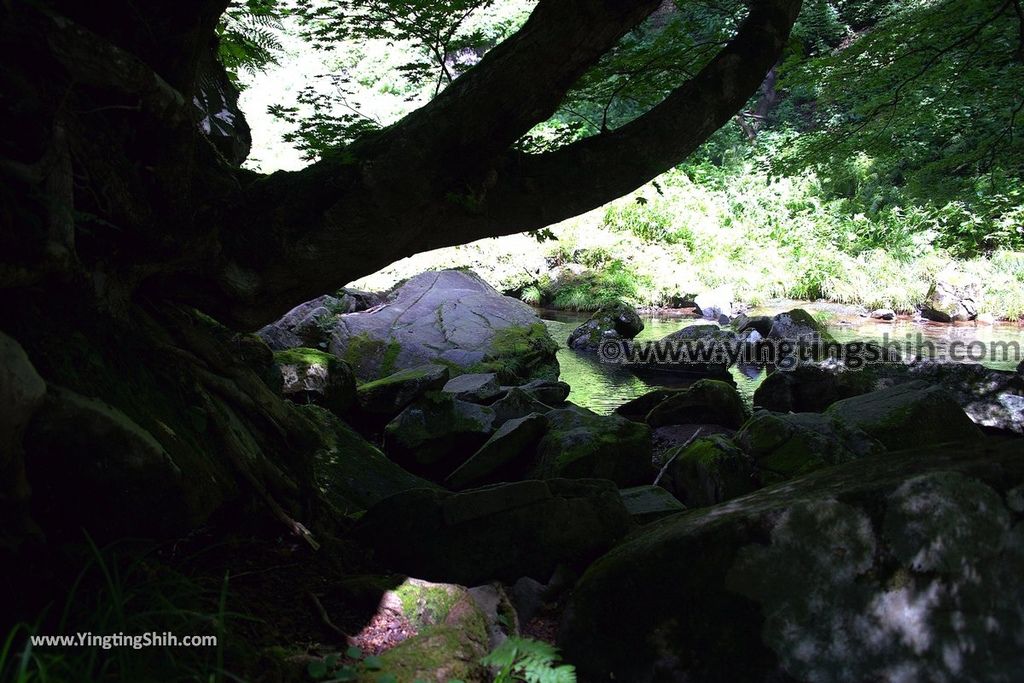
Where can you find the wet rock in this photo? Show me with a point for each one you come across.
(909, 415)
(311, 376)
(437, 433)
(648, 503)
(499, 532)
(390, 395)
(762, 324)
(911, 562)
(474, 387)
(578, 445)
(508, 455)
(613, 322)
(882, 314)
(708, 401)
(547, 392)
(451, 317)
(703, 351)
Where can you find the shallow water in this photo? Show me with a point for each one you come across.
(603, 387)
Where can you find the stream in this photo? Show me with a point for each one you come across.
(602, 387)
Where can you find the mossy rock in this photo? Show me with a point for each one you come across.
(611, 322)
(710, 471)
(785, 446)
(350, 471)
(508, 455)
(911, 561)
(907, 415)
(437, 433)
(580, 445)
(707, 401)
(649, 503)
(388, 396)
(311, 376)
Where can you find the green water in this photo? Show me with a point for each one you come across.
(603, 387)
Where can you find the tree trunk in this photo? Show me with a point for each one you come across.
(122, 221)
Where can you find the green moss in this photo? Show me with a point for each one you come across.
(303, 356)
(426, 604)
(387, 362)
(361, 347)
(395, 378)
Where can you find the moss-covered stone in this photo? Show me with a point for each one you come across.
(580, 445)
(709, 471)
(388, 396)
(908, 415)
(508, 455)
(615, 321)
(904, 567)
(707, 401)
(437, 433)
(311, 376)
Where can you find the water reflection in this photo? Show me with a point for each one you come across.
(603, 387)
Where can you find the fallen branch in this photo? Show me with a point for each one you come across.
(676, 454)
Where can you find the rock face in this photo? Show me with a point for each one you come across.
(352, 473)
(613, 322)
(498, 532)
(707, 401)
(311, 376)
(310, 324)
(992, 398)
(508, 455)
(450, 317)
(950, 302)
(908, 415)
(903, 568)
(580, 445)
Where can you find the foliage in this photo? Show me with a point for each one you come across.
(248, 36)
(354, 665)
(524, 659)
(123, 589)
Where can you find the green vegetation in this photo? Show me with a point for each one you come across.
(524, 659)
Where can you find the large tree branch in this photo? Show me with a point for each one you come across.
(292, 236)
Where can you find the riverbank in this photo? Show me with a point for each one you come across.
(765, 240)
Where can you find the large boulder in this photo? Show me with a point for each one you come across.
(695, 349)
(709, 471)
(451, 317)
(799, 328)
(707, 401)
(810, 388)
(388, 396)
(351, 473)
(579, 445)
(992, 398)
(508, 455)
(306, 325)
(437, 433)
(784, 446)
(902, 568)
(609, 323)
(949, 300)
(908, 415)
(311, 376)
(499, 532)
